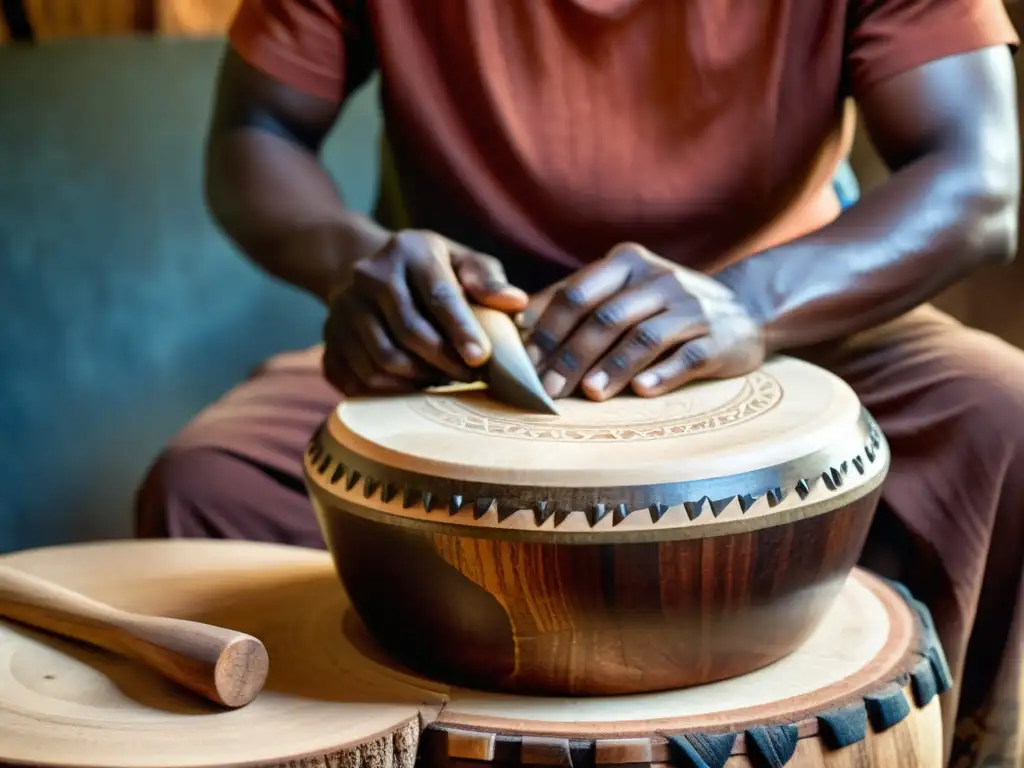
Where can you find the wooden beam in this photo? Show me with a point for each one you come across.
(16, 19)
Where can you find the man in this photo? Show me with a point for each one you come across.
(581, 144)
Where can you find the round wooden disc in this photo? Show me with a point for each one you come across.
(783, 412)
(63, 704)
(330, 691)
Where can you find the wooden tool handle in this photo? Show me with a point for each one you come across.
(227, 667)
(510, 375)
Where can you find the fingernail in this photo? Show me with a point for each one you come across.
(474, 353)
(597, 381)
(533, 352)
(495, 286)
(553, 383)
(647, 380)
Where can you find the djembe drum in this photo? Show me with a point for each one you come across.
(620, 547)
(860, 692)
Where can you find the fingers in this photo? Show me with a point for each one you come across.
(385, 355)
(340, 377)
(535, 307)
(571, 303)
(696, 359)
(360, 357)
(413, 332)
(643, 345)
(384, 281)
(483, 278)
(349, 366)
(437, 287)
(600, 331)
(351, 370)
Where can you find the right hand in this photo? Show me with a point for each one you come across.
(403, 320)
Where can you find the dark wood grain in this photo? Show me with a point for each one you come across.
(594, 619)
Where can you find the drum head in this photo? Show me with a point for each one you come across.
(782, 412)
(766, 448)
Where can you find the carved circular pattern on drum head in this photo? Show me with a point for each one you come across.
(688, 411)
(784, 412)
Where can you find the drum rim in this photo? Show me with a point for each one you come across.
(338, 478)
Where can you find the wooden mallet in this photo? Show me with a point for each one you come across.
(227, 667)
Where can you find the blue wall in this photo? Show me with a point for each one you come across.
(122, 310)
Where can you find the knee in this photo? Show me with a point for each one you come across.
(992, 397)
(181, 493)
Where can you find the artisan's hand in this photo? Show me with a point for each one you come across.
(403, 320)
(635, 319)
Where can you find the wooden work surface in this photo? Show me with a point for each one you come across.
(330, 692)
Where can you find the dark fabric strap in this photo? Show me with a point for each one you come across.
(581, 753)
(886, 707)
(18, 23)
(940, 666)
(771, 746)
(699, 750)
(923, 683)
(931, 645)
(843, 726)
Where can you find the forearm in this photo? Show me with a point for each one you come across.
(929, 225)
(948, 131)
(275, 201)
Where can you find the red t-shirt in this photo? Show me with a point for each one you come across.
(549, 130)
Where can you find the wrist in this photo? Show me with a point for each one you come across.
(335, 248)
(751, 289)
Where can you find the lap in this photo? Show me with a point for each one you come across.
(950, 401)
(235, 471)
(925, 362)
(268, 419)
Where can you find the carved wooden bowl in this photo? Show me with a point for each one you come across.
(628, 546)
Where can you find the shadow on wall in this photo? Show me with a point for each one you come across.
(123, 311)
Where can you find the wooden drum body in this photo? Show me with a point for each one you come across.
(621, 547)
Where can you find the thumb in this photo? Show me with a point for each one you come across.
(484, 281)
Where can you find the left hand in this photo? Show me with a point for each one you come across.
(635, 319)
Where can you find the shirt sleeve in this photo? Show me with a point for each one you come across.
(888, 37)
(318, 47)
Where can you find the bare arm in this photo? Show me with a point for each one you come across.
(273, 198)
(267, 190)
(948, 131)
